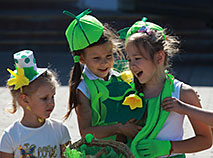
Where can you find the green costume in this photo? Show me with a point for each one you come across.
(106, 96)
(145, 144)
(106, 101)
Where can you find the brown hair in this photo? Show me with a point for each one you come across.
(153, 43)
(47, 77)
(109, 36)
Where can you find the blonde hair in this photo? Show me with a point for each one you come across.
(48, 77)
(155, 42)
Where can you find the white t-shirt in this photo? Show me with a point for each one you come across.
(42, 142)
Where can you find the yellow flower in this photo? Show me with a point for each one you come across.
(127, 76)
(19, 79)
(134, 101)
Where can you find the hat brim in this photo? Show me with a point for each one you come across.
(40, 71)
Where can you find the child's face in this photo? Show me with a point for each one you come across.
(99, 59)
(42, 101)
(140, 63)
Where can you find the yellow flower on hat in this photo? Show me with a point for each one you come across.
(19, 79)
(134, 101)
(127, 76)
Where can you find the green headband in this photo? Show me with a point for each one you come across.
(83, 30)
(140, 26)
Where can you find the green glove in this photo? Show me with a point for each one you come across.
(150, 148)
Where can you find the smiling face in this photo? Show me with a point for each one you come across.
(141, 64)
(42, 101)
(99, 59)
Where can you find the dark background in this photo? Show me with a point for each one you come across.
(39, 25)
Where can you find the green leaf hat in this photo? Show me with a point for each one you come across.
(83, 30)
(128, 31)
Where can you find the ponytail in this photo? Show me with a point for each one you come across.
(14, 107)
(74, 81)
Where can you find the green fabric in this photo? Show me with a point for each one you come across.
(122, 113)
(111, 95)
(150, 148)
(106, 101)
(179, 156)
(156, 117)
(83, 31)
(125, 33)
(98, 111)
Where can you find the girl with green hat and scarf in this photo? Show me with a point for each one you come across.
(100, 96)
(148, 49)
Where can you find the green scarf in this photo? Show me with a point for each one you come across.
(156, 117)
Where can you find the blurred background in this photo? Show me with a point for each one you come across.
(40, 25)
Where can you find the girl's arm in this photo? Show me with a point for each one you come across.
(84, 115)
(6, 155)
(202, 139)
(173, 104)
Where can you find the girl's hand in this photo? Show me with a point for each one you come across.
(173, 104)
(130, 128)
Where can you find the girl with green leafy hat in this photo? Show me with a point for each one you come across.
(35, 134)
(148, 50)
(99, 95)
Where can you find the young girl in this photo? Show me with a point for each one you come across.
(97, 93)
(34, 135)
(148, 49)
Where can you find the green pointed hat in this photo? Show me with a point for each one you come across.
(83, 31)
(140, 25)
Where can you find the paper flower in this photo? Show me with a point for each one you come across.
(127, 76)
(145, 29)
(134, 101)
(19, 79)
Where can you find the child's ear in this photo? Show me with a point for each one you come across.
(82, 59)
(23, 100)
(160, 57)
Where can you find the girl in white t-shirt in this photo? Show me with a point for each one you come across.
(34, 135)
